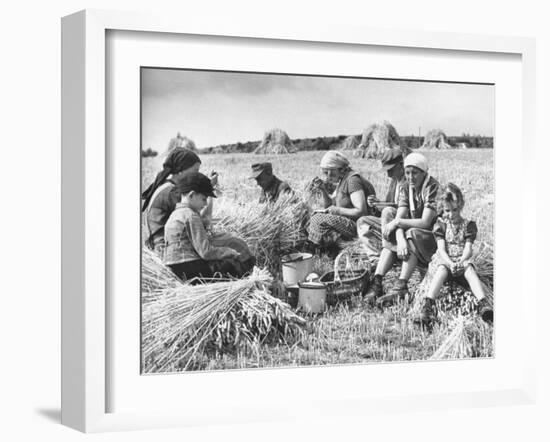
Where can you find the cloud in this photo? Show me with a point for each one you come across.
(167, 82)
(225, 107)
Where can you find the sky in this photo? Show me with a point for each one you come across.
(213, 108)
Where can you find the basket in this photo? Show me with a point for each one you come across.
(350, 277)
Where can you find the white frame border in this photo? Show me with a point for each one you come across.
(84, 198)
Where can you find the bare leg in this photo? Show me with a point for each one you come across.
(408, 267)
(438, 280)
(474, 282)
(387, 258)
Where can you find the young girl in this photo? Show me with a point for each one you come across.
(189, 250)
(455, 236)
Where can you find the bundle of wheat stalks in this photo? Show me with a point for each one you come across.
(468, 339)
(456, 299)
(155, 276)
(185, 322)
(270, 230)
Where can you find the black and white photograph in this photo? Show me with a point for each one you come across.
(275, 221)
(300, 220)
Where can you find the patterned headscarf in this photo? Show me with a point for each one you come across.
(334, 160)
(179, 159)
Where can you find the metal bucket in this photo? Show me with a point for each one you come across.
(312, 297)
(296, 267)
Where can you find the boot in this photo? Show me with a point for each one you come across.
(397, 293)
(376, 290)
(485, 310)
(428, 314)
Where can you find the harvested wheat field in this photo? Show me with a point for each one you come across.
(247, 323)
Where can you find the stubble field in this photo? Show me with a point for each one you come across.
(354, 332)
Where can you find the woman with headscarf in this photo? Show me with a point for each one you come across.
(161, 197)
(342, 207)
(158, 200)
(407, 230)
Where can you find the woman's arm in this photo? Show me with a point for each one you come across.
(402, 213)
(425, 222)
(357, 211)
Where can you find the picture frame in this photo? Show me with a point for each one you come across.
(87, 213)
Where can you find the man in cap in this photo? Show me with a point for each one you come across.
(369, 227)
(392, 164)
(272, 187)
(407, 232)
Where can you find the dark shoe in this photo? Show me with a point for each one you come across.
(376, 290)
(398, 293)
(428, 314)
(332, 251)
(485, 310)
(310, 247)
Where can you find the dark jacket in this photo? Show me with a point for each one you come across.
(274, 191)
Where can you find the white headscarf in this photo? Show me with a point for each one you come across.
(420, 162)
(417, 160)
(334, 160)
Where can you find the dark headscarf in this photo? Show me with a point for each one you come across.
(176, 161)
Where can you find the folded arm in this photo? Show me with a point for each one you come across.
(425, 222)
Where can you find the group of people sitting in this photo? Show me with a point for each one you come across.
(418, 223)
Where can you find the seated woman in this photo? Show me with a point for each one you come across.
(159, 203)
(343, 207)
(407, 230)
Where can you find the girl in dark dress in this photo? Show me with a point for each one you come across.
(455, 236)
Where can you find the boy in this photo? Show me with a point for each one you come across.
(189, 250)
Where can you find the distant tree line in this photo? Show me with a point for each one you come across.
(476, 141)
(333, 143)
(473, 141)
(318, 143)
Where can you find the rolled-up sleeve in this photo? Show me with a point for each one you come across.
(354, 184)
(430, 196)
(403, 200)
(202, 244)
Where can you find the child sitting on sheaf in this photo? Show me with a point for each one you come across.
(190, 250)
(455, 236)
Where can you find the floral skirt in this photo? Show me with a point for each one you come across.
(458, 277)
(326, 229)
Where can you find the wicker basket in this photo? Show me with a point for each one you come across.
(350, 277)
